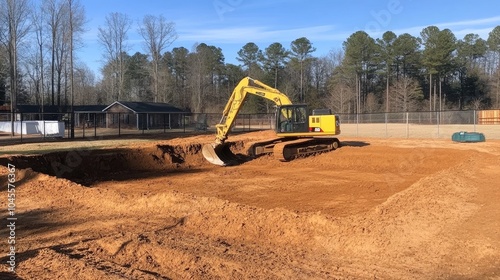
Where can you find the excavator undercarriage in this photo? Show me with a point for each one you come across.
(286, 149)
(283, 149)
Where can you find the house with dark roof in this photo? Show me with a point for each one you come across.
(143, 115)
(83, 113)
(123, 114)
(88, 108)
(89, 115)
(37, 112)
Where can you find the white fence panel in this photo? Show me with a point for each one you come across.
(47, 128)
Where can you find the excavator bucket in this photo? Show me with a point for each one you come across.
(219, 154)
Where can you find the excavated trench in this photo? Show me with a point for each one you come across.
(89, 166)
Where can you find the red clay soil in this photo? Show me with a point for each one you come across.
(374, 208)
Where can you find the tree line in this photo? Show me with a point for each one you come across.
(433, 71)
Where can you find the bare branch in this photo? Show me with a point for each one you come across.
(158, 34)
(113, 38)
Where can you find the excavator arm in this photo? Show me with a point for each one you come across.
(245, 86)
(218, 153)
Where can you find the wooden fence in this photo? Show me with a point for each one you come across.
(489, 117)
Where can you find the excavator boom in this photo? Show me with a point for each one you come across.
(245, 86)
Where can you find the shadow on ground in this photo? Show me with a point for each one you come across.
(354, 144)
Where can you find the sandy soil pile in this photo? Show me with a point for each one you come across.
(371, 209)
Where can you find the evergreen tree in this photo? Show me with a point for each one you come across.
(387, 55)
(250, 55)
(494, 47)
(301, 50)
(360, 55)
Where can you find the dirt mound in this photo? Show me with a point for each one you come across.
(367, 210)
(89, 166)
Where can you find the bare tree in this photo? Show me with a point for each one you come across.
(320, 71)
(197, 80)
(84, 89)
(158, 34)
(342, 96)
(31, 66)
(113, 37)
(406, 94)
(477, 103)
(14, 15)
(55, 11)
(3, 70)
(76, 21)
(38, 19)
(341, 85)
(371, 105)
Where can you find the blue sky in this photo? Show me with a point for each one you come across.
(230, 24)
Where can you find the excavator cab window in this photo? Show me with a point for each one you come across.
(292, 118)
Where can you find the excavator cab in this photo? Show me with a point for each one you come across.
(292, 119)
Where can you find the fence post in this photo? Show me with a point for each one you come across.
(144, 122)
(119, 125)
(357, 124)
(438, 122)
(21, 127)
(95, 125)
(44, 132)
(474, 112)
(72, 123)
(386, 132)
(407, 126)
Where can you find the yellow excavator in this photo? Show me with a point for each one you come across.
(298, 133)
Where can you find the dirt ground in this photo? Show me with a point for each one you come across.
(372, 209)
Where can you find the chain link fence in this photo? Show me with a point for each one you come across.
(419, 124)
(92, 125)
(32, 127)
